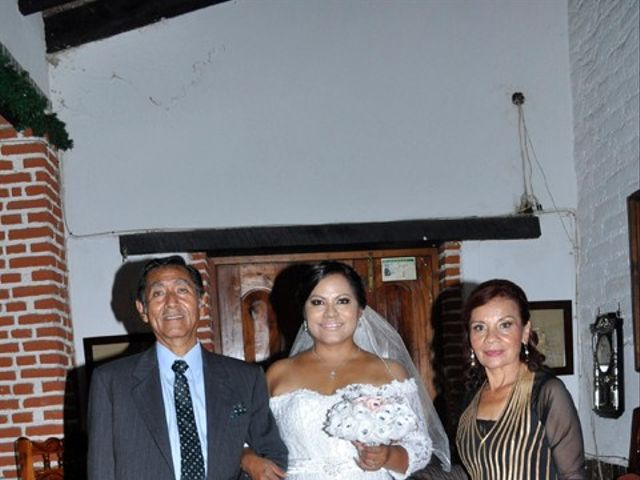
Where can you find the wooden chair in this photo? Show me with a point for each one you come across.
(40, 460)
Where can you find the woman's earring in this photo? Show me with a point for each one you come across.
(305, 326)
(526, 353)
(473, 358)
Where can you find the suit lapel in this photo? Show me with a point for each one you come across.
(219, 398)
(147, 396)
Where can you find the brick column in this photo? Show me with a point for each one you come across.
(36, 338)
(450, 361)
(207, 332)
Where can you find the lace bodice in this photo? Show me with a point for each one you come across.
(314, 455)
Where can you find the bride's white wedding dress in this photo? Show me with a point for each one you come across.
(314, 455)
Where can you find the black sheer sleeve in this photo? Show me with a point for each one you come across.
(558, 414)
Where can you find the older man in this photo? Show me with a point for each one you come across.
(177, 411)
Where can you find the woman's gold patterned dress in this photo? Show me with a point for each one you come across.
(537, 436)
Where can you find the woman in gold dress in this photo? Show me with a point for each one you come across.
(520, 422)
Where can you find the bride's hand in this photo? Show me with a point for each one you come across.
(372, 458)
(260, 468)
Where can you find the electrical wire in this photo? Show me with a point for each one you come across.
(529, 201)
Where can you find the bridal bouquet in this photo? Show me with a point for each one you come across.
(372, 418)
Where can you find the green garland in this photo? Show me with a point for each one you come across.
(25, 107)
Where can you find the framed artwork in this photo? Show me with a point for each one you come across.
(551, 320)
(99, 350)
(633, 206)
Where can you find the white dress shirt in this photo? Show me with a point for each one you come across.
(195, 378)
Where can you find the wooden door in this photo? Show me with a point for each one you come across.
(253, 301)
(406, 304)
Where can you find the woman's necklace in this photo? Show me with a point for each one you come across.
(333, 372)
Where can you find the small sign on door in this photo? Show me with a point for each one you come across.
(399, 268)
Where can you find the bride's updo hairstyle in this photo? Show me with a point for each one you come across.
(319, 271)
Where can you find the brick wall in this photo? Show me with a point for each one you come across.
(604, 57)
(36, 343)
(206, 330)
(449, 343)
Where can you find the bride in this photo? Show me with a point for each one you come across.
(344, 345)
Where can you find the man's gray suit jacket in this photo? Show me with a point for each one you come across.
(128, 436)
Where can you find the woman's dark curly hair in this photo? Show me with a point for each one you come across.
(483, 294)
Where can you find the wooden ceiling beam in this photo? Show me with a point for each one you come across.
(27, 7)
(101, 19)
(332, 237)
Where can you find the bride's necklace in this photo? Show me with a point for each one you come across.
(333, 372)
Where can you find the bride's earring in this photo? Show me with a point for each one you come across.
(473, 358)
(305, 326)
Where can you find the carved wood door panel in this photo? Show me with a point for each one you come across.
(406, 304)
(246, 320)
(257, 328)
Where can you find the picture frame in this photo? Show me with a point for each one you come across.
(551, 320)
(100, 350)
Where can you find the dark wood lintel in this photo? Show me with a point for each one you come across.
(69, 24)
(331, 237)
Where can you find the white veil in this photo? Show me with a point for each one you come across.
(375, 335)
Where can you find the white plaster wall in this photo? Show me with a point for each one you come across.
(288, 112)
(91, 305)
(24, 38)
(605, 78)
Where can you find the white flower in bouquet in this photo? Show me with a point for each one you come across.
(402, 425)
(370, 417)
(385, 414)
(383, 431)
(365, 431)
